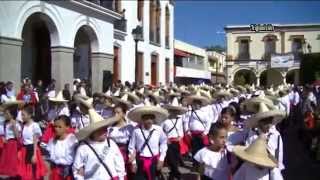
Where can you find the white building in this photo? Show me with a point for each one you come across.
(249, 51)
(191, 63)
(64, 40)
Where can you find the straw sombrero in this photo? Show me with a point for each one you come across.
(173, 94)
(223, 93)
(252, 105)
(156, 95)
(88, 103)
(11, 102)
(159, 113)
(59, 98)
(256, 153)
(96, 122)
(123, 100)
(265, 112)
(175, 107)
(133, 97)
(204, 101)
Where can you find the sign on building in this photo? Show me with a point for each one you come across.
(282, 61)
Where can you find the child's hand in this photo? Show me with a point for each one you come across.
(134, 168)
(33, 159)
(159, 165)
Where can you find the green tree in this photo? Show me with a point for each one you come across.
(217, 48)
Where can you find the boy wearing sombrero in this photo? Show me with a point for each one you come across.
(173, 127)
(97, 157)
(80, 115)
(258, 162)
(198, 122)
(148, 143)
(263, 123)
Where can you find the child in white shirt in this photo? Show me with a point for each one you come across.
(214, 159)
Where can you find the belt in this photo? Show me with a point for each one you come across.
(174, 139)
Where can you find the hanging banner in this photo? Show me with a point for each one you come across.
(192, 73)
(282, 61)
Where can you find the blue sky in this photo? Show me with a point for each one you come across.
(201, 22)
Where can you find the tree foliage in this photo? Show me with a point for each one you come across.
(216, 48)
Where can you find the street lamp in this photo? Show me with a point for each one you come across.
(137, 34)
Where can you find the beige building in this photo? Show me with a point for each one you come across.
(217, 62)
(252, 48)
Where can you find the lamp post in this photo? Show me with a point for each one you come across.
(137, 34)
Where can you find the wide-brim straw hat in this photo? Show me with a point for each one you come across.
(265, 112)
(11, 102)
(160, 113)
(252, 105)
(59, 98)
(175, 107)
(223, 93)
(96, 122)
(256, 153)
(190, 99)
(123, 100)
(133, 97)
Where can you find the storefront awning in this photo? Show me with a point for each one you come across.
(192, 73)
(178, 52)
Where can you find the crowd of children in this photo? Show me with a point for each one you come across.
(228, 132)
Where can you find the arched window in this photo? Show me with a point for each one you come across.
(158, 21)
(155, 21)
(167, 43)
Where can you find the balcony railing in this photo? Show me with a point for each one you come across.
(121, 25)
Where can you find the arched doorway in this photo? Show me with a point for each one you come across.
(243, 77)
(292, 76)
(84, 40)
(270, 77)
(36, 48)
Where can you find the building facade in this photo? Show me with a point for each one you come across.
(91, 40)
(191, 64)
(250, 51)
(217, 62)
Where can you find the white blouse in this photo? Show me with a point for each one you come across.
(215, 163)
(93, 169)
(173, 128)
(9, 133)
(121, 135)
(62, 151)
(29, 131)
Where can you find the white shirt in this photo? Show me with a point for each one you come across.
(83, 91)
(2, 120)
(215, 163)
(62, 151)
(93, 169)
(80, 121)
(53, 113)
(9, 133)
(52, 94)
(173, 127)
(157, 142)
(121, 135)
(248, 171)
(194, 119)
(285, 101)
(29, 131)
